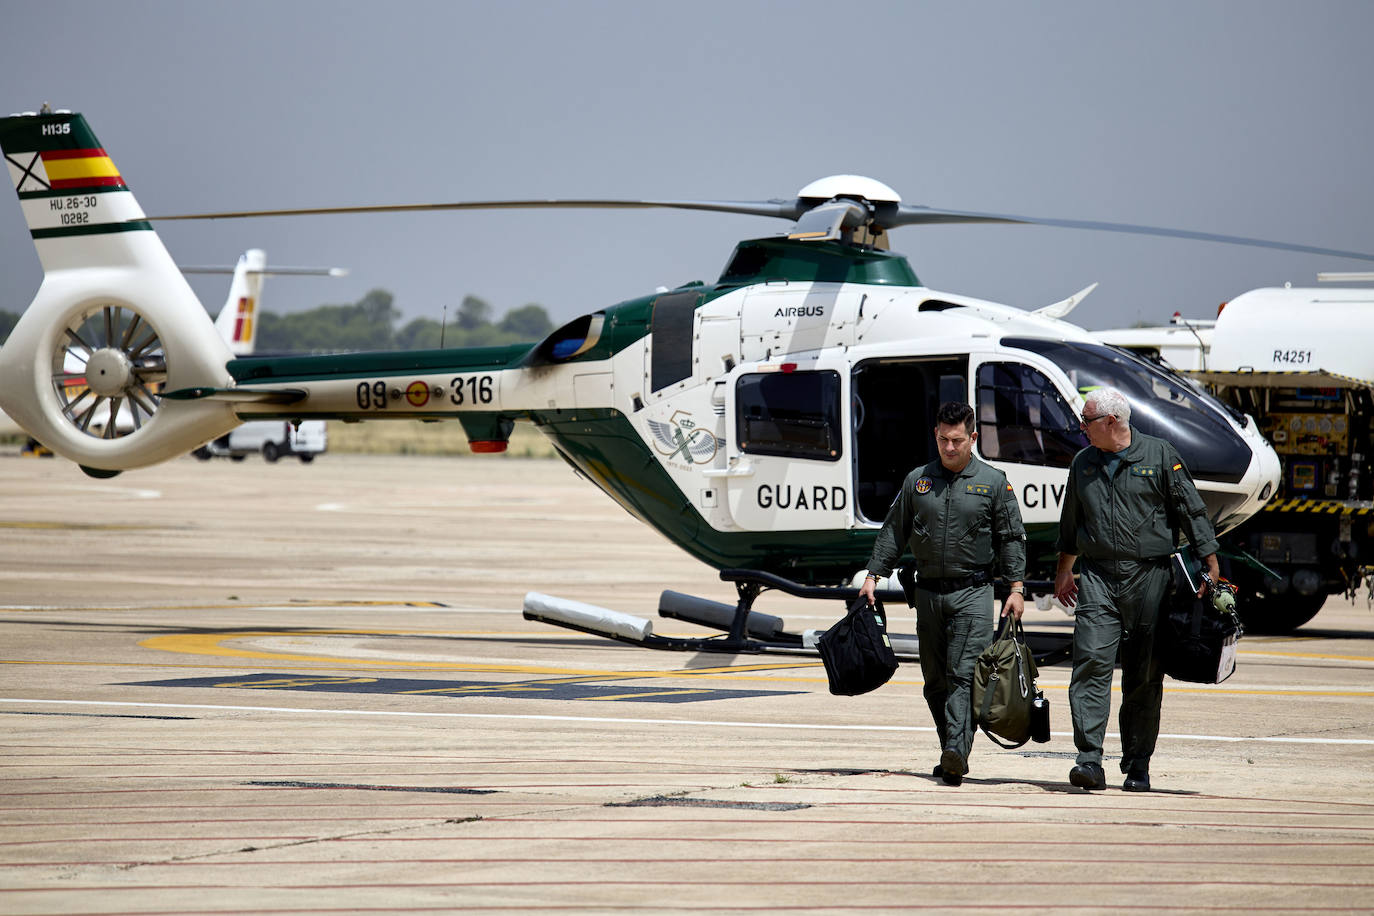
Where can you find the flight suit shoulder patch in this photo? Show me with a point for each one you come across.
(1178, 467)
(923, 485)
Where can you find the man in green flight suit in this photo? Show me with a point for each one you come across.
(1127, 493)
(957, 516)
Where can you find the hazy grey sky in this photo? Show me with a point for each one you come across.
(1247, 118)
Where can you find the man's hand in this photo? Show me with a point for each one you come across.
(1213, 570)
(1065, 589)
(1015, 604)
(870, 587)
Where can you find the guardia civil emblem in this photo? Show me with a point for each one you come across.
(923, 485)
(681, 438)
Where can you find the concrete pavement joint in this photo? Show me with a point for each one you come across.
(273, 847)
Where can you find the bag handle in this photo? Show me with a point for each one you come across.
(1011, 629)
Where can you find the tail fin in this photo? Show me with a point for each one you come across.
(237, 321)
(113, 321)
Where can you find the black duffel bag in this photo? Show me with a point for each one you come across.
(857, 654)
(1196, 641)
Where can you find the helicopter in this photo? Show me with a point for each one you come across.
(763, 422)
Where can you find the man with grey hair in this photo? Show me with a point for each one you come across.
(1128, 495)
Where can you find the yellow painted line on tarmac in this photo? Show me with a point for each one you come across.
(1274, 693)
(640, 696)
(1256, 653)
(211, 644)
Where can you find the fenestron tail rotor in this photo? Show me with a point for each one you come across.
(846, 208)
(107, 369)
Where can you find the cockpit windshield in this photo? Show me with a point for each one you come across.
(1161, 404)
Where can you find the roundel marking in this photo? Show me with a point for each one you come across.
(417, 393)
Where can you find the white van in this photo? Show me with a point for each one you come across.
(274, 438)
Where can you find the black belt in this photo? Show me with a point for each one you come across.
(944, 586)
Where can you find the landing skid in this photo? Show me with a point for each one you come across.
(744, 629)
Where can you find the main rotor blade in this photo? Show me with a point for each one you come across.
(884, 214)
(908, 215)
(777, 208)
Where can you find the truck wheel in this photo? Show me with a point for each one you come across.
(306, 458)
(202, 453)
(1278, 614)
(270, 452)
(237, 457)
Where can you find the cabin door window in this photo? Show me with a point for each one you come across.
(1023, 418)
(786, 468)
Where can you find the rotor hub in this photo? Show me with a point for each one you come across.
(856, 187)
(108, 372)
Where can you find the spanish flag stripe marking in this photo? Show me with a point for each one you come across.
(109, 181)
(69, 169)
(85, 167)
(51, 155)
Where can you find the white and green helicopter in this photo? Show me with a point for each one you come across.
(762, 422)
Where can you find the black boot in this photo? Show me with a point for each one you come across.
(1137, 780)
(1088, 776)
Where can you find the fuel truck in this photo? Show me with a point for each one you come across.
(1299, 363)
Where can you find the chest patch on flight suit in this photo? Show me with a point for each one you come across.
(1144, 470)
(981, 489)
(923, 485)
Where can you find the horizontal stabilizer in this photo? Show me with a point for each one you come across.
(1064, 306)
(272, 272)
(239, 395)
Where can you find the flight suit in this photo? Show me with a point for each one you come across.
(957, 527)
(1120, 512)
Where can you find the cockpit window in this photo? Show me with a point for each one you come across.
(1022, 417)
(1161, 405)
(789, 413)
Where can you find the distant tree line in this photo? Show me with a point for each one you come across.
(370, 324)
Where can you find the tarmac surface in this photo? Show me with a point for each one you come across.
(249, 688)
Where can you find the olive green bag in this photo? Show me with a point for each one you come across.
(1004, 687)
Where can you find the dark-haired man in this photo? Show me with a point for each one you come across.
(959, 518)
